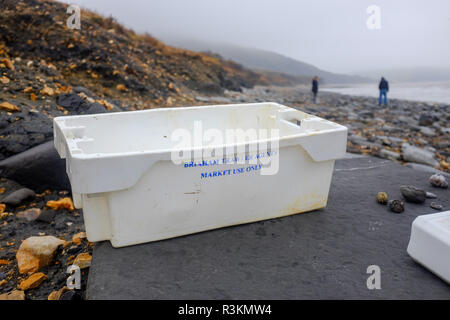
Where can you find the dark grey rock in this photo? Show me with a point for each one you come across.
(70, 295)
(47, 216)
(83, 90)
(38, 168)
(70, 101)
(396, 206)
(425, 120)
(413, 194)
(318, 255)
(95, 108)
(17, 197)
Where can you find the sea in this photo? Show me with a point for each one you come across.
(428, 92)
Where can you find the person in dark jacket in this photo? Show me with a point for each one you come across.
(384, 88)
(315, 88)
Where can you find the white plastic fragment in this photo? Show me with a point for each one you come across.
(429, 244)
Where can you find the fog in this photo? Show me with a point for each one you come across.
(332, 35)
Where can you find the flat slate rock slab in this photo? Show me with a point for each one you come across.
(318, 255)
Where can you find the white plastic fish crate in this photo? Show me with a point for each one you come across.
(429, 244)
(122, 174)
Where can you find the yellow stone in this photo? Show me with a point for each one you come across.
(64, 203)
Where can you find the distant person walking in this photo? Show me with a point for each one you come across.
(315, 88)
(384, 88)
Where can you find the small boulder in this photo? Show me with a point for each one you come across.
(15, 198)
(413, 194)
(36, 252)
(38, 168)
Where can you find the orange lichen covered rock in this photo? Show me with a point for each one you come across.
(13, 295)
(56, 295)
(9, 107)
(7, 63)
(77, 238)
(47, 91)
(32, 281)
(64, 203)
(36, 252)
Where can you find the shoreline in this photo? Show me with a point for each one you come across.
(433, 92)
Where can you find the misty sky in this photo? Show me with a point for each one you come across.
(330, 34)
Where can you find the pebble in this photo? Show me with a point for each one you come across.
(15, 198)
(438, 180)
(436, 206)
(396, 206)
(29, 214)
(382, 198)
(431, 195)
(83, 260)
(413, 194)
(47, 216)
